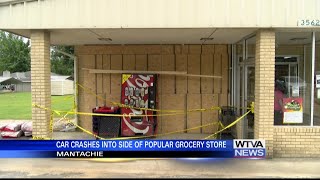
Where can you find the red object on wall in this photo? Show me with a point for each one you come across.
(138, 91)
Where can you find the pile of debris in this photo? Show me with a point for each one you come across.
(16, 129)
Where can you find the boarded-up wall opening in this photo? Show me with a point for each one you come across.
(174, 92)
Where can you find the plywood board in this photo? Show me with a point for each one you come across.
(207, 69)
(207, 49)
(181, 49)
(154, 64)
(159, 100)
(176, 122)
(113, 98)
(93, 50)
(128, 49)
(221, 49)
(211, 116)
(101, 99)
(87, 80)
(225, 73)
(168, 64)
(116, 64)
(99, 65)
(194, 118)
(141, 63)
(129, 62)
(86, 104)
(106, 77)
(194, 68)
(217, 72)
(194, 49)
(167, 49)
(181, 81)
(223, 100)
(153, 49)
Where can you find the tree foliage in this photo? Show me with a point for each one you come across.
(14, 53)
(60, 63)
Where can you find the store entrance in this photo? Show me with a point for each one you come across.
(286, 70)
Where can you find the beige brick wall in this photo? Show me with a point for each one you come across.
(174, 92)
(40, 82)
(264, 87)
(295, 141)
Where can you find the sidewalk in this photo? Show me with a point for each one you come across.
(160, 168)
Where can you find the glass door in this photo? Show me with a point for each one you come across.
(249, 98)
(246, 87)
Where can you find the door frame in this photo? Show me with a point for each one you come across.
(242, 98)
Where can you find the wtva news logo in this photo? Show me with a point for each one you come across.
(249, 148)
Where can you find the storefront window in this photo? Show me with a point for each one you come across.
(316, 105)
(293, 78)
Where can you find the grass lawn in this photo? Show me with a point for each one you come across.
(18, 105)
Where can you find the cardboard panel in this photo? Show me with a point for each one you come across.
(208, 101)
(176, 122)
(208, 49)
(194, 68)
(225, 73)
(181, 81)
(207, 69)
(181, 49)
(99, 65)
(141, 63)
(217, 72)
(116, 64)
(129, 62)
(194, 118)
(168, 64)
(194, 49)
(106, 77)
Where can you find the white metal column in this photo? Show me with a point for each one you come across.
(312, 74)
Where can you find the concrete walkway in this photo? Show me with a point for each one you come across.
(160, 168)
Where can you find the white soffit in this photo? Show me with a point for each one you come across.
(144, 36)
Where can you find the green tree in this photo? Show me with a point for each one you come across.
(60, 63)
(14, 53)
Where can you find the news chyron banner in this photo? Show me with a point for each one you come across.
(239, 148)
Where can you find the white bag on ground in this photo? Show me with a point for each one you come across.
(2, 126)
(12, 127)
(27, 133)
(26, 127)
(8, 134)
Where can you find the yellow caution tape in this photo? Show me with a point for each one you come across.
(40, 138)
(230, 125)
(147, 109)
(58, 112)
(51, 122)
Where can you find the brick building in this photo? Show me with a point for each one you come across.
(248, 43)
